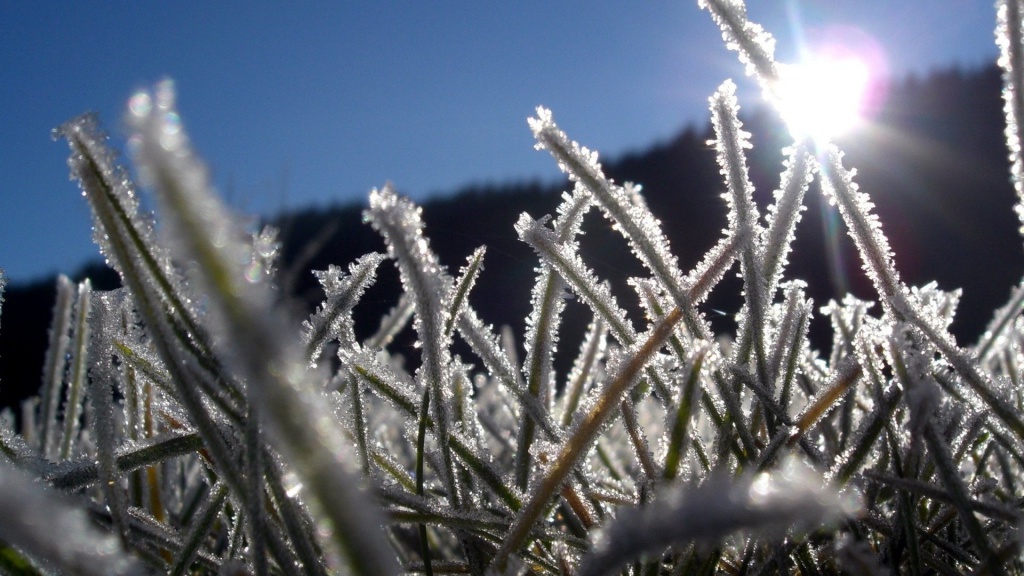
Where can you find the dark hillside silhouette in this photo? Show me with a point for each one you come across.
(935, 165)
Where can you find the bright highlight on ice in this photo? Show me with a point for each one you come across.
(822, 97)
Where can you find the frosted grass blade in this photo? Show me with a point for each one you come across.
(583, 436)
(199, 529)
(484, 343)
(1010, 40)
(743, 217)
(770, 504)
(679, 438)
(582, 281)
(82, 473)
(295, 517)
(297, 414)
(398, 221)
(843, 377)
(625, 208)
(420, 439)
(458, 298)
(68, 538)
(785, 213)
(332, 320)
(101, 398)
(79, 353)
(542, 327)
(865, 229)
(755, 46)
(541, 341)
(127, 238)
(129, 245)
(53, 367)
(790, 341)
(252, 459)
(711, 269)
(582, 375)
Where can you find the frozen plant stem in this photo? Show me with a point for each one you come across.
(582, 437)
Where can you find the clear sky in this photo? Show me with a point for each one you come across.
(312, 103)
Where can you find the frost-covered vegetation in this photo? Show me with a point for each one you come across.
(188, 424)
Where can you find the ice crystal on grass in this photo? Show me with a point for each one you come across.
(856, 209)
(193, 425)
(792, 497)
(631, 219)
(755, 46)
(53, 531)
(333, 320)
(1010, 39)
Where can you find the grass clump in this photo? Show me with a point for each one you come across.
(189, 424)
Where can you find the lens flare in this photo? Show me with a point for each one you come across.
(822, 97)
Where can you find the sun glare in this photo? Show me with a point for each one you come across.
(822, 98)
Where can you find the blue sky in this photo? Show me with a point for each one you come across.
(315, 103)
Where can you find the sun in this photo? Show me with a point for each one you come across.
(823, 96)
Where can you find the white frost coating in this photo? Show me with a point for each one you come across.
(756, 47)
(265, 251)
(544, 322)
(743, 217)
(394, 387)
(77, 370)
(855, 208)
(102, 376)
(1010, 39)
(53, 366)
(333, 319)
(937, 307)
(398, 220)
(630, 217)
(580, 278)
(586, 369)
(48, 527)
(790, 338)
(847, 318)
(792, 497)
(542, 325)
(250, 332)
(88, 146)
(731, 141)
(484, 343)
(996, 336)
(125, 236)
(785, 213)
(457, 298)
(911, 353)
